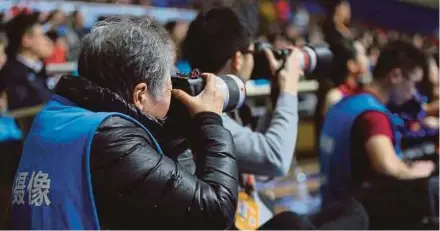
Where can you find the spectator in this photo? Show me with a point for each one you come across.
(10, 143)
(350, 64)
(74, 34)
(336, 27)
(360, 145)
(103, 127)
(24, 73)
(59, 53)
(55, 22)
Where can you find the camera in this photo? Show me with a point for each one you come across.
(232, 88)
(315, 59)
(177, 124)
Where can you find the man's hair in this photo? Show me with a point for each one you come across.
(121, 52)
(398, 54)
(343, 51)
(213, 38)
(16, 28)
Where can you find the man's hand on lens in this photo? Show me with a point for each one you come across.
(209, 100)
(290, 74)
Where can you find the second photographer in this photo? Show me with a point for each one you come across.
(217, 42)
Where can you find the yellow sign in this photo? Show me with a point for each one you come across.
(248, 213)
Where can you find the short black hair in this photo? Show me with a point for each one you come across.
(52, 35)
(213, 37)
(398, 54)
(343, 51)
(16, 28)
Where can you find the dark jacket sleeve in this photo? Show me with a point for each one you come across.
(135, 187)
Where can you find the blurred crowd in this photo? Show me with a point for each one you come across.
(31, 40)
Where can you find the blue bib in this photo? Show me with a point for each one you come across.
(334, 144)
(52, 187)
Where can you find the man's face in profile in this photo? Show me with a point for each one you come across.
(404, 86)
(36, 41)
(247, 60)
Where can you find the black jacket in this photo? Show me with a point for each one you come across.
(26, 87)
(137, 188)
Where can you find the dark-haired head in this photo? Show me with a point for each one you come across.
(25, 34)
(339, 9)
(399, 68)
(217, 41)
(349, 61)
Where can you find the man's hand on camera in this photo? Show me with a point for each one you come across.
(290, 74)
(209, 100)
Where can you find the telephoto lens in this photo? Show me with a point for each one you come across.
(232, 88)
(314, 59)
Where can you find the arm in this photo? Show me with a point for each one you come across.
(269, 153)
(137, 188)
(377, 135)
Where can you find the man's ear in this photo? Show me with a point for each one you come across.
(237, 61)
(352, 66)
(395, 76)
(140, 95)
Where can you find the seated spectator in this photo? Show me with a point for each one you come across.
(10, 141)
(60, 50)
(8, 128)
(74, 34)
(24, 73)
(360, 146)
(336, 27)
(350, 65)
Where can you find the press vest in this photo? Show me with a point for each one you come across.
(52, 187)
(335, 146)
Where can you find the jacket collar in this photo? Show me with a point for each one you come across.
(99, 99)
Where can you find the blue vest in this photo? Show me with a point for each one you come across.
(334, 144)
(52, 187)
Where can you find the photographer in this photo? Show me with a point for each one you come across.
(91, 160)
(217, 42)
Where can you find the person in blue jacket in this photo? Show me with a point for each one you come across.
(360, 145)
(91, 159)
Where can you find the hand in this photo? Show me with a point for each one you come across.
(431, 122)
(289, 76)
(209, 100)
(422, 168)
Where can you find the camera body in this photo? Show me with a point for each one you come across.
(178, 118)
(232, 88)
(314, 59)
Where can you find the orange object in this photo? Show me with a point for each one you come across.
(248, 212)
